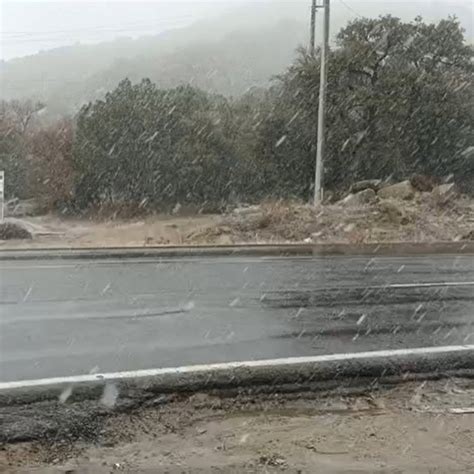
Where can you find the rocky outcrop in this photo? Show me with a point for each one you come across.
(423, 183)
(374, 184)
(403, 190)
(362, 198)
(445, 192)
(392, 211)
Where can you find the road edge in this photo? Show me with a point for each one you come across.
(277, 372)
(325, 249)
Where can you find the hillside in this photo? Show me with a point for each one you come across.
(225, 54)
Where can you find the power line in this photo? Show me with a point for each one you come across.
(58, 34)
(97, 27)
(351, 9)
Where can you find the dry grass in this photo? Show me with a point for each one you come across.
(428, 218)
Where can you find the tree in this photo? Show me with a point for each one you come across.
(400, 100)
(14, 150)
(149, 146)
(21, 113)
(51, 163)
(35, 157)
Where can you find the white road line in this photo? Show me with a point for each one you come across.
(376, 287)
(411, 285)
(435, 284)
(37, 267)
(80, 264)
(152, 260)
(194, 369)
(238, 259)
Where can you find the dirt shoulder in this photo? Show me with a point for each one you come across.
(410, 428)
(51, 231)
(425, 217)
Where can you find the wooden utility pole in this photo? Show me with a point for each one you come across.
(312, 32)
(318, 178)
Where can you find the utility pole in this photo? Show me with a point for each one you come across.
(313, 28)
(318, 189)
(2, 196)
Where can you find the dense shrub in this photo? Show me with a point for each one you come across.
(400, 102)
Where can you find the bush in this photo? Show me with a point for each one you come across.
(159, 147)
(51, 164)
(400, 101)
(13, 230)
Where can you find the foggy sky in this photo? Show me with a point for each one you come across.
(28, 27)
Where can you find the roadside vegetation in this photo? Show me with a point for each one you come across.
(400, 103)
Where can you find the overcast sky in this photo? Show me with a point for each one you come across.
(30, 26)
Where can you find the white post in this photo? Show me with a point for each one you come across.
(318, 178)
(2, 195)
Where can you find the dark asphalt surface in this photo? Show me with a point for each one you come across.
(71, 317)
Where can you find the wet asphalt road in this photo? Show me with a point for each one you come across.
(75, 317)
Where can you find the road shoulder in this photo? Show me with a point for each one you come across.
(411, 427)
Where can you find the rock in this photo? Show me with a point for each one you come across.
(362, 198)
(13, 230)
(374, 184)
(402, 190)
(423, 183)
(224, 229)
(392, 211)
(224, 239)
(249, 218)
(247, 210)
(468, 236)
(445, 191)
(425, 196)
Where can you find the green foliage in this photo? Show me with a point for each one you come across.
(152, 147)
(12, 162)
(400, 100)
(50, 163)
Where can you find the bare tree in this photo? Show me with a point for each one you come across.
(20, 113)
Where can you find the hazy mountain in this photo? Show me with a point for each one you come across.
(228, 54)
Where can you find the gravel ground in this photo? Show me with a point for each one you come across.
(423, 427)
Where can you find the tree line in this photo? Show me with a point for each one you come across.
(400, 101)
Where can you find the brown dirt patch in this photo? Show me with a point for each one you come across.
(56, 232)
(410, 428)
(427, 218)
